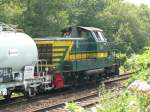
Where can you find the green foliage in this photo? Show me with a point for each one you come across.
(126, 101)
(45, 17)
(140, 64)
(73, 107)
(11, 12)
(125, 26)
(116, 104)
(122, 57)
(139, 61)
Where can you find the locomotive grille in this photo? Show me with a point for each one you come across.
(45, 52)
(54, 52)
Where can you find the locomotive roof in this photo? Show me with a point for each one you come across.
(68, 38)
(82, 27)
(56, 39)
(90, 28)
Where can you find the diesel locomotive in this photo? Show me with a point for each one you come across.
(81, 55)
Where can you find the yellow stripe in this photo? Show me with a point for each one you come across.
(67, 56)
(52, 65)
(57, 54)
(56, 43)
(59, 49)
(56, 59)
(62, 43)
(44, 42)
(102, 55)
(86, 56)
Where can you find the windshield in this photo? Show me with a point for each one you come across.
(99, 36)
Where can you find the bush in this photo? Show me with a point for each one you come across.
(74, 107)
(140, 64)
(125, 102)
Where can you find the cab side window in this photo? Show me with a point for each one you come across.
(86, 35)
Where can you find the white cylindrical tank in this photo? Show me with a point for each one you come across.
(17, 50)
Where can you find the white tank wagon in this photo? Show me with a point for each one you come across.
(19, 63)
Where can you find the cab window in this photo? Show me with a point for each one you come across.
(87, 35)
(99, 36)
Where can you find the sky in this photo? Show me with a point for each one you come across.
(138, 2)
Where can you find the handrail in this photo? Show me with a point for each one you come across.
(7, 27)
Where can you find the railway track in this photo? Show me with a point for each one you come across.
(56, 101)
(118, 78)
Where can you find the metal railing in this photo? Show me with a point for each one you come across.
(7, 27)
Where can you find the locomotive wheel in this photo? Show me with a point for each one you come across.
(30, 93)
(40, 90)
(26, 94)
(82, 79)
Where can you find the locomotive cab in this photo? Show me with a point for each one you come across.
(92, 38)
(92, 51)
(88, 33)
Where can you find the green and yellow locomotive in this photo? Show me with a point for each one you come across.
(80, 56)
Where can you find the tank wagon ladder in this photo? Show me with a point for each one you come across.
(40, 82)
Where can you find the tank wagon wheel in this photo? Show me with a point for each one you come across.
(8, 96)
(26, 94)
(30, 92)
